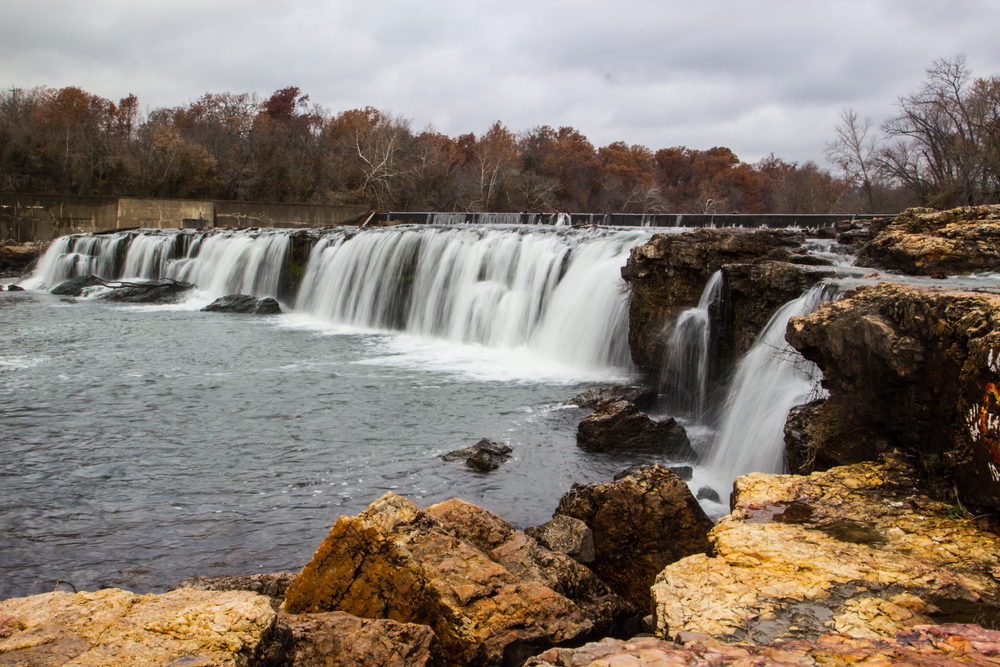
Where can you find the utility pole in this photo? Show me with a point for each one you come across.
(13, 95)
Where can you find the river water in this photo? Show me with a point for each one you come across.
(145, 444)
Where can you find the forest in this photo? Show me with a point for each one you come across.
(940, 150)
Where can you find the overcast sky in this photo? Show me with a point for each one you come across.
(758, 76)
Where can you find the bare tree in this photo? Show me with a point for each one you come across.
(856, 152)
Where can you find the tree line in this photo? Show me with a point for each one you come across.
(941, 149)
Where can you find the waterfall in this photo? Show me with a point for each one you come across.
(684, 377)
(770, 380)
(558, 294)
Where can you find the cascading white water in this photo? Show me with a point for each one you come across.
(684, 377)
(770, 380)
(558, 294)
(219, 263)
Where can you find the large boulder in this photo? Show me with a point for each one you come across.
(619, 426)
(668, 273)
(642, 522)
(909, 367)
(566, 535)
(641, 396)
(335, 638)
(243, 303)
(923, 241)
(952, 644)
(76, 286)
(15, 258)
(492, 595)
(153, 293)
(857, 550)
(112, 627)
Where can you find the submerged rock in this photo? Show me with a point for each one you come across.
(242, 303)
(642, 397)
(159, 293)
(952, 644)
(668, 273)
(483, 456)
(923, 241)
(492, 594)
(619, 426)
(906, 367)
(336, 638)
(641, 522)
(115, 627)
(856, 550)
(566, 535)
(76, 286)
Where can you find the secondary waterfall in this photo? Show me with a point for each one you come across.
(684, 378)
(770, 380)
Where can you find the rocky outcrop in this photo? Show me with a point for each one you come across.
(76, 286)
(642, 397)
(856, 550)
(754, 292)
(642, 522)
(952, 644)
(243, 303)
(492, 595)
(911, 367)
(270, 585)
(483, 456)
(619, 426)
(341, 640)
(565, 535)
(923, 241)
(668, 273)
(114, 627)
(15, 258)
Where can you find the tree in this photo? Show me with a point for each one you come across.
(856, 152)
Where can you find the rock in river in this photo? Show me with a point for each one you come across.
(243, 303)
(483, 456)
(619, 426)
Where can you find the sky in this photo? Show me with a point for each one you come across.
(757, 76)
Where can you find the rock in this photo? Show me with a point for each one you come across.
(242, 303)
(667, 274)
(642, 397)
(114, 627)
(922, 241)
(755, 292)
(14, 288)
(641, 523)
(336, 638)
(485, 589)
(684, 472)
(565, 535)
(708, 493)
(76, 286)
(906, 367)
(952, 644)
(619, 426)
(271, 585)
(483, 456)
(857, 549)
(157, 293)
(16, 258)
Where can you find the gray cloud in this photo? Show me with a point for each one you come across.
(758, 77)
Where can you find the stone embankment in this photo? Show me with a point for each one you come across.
(16, 258)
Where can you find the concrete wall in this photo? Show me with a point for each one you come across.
(269, 214)
(29, 218)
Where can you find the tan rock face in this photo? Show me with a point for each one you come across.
(641, 522)
(923, 241)
(911, 367)
(336, 638)
(952, 645)
(115, 627)
(491, 594)
(855, 550)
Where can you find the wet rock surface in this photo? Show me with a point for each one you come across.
(923, 241)
(160, 293)
(76, 286)
(338, 639)
(911, 367)
(642, 397)
(856, 550)
(641, 522)
(483, 456)
(668, 273)
(114, 627)
(491, 594)
(619, 426)
(243, 303)
(950, 644)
